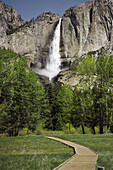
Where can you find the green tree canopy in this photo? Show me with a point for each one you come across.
(22, 96)
(65, 103)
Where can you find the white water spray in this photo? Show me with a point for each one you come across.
(53, 64)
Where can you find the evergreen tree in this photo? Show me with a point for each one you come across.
(52, 121)
(104, 67)
(96, 86)
(22, 95)
(78, 115)
(87, 72)
(65, 104)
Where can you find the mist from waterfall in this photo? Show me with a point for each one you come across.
(53, 63)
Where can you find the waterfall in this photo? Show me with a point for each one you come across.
(53, 64)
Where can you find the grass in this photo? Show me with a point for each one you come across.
(102, 144)
(32, 152)
(37, 152)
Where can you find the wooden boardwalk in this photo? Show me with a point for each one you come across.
(83, 159)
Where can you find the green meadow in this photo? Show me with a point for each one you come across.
(102, 144)
(32, 152)
(38, 152)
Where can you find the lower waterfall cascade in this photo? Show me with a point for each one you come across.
(53, 63)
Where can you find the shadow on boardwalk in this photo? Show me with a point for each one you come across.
(83, 159)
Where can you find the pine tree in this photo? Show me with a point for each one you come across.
(65, 104)
(87, 72)
(104, 67)
(22, 95)
(52, 120)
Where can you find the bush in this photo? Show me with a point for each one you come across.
(25, 131)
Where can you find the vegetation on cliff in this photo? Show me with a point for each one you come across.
(13, 30)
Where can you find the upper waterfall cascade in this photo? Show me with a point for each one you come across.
(53, 63)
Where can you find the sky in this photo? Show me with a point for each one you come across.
(32, 8)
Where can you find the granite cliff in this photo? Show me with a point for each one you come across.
(30, 39)
(85, 28)
(33, 40)
(8, 20)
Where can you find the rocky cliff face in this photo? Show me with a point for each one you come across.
(8, 20)
(33, 40)
(30, 39)
(85, 28)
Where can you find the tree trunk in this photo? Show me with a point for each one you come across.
(69, 128)
(16, 131)
(83, 130)
(93, 129)
(11, 132)
(101, 120)
(101, 129)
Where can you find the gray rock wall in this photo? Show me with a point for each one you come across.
(33, 40)
(87, 27)
(8, 20)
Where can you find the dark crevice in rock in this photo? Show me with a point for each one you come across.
(90, 18)
(91, 15)
(33, 65)
(43, 62)
(65, 65)
(74, 23)
(108, 27)
(61, 38)
(110, 12)
(111, 25)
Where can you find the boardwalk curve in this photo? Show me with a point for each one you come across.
(83, 159)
